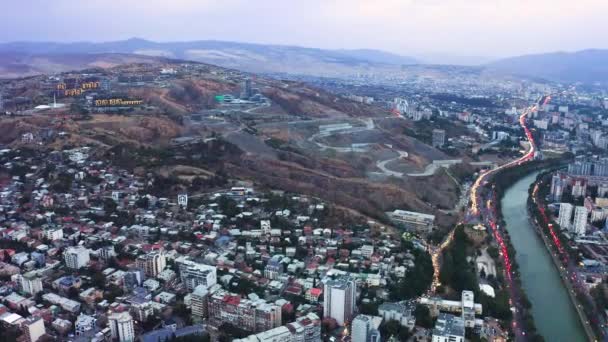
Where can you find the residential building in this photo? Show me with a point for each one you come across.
(565, 215)
(579, 224)
(361, 327)
(85, 324)
(33, 328)
(448, 328)
(558, 184)
(53, 234)
(30, 283)
(304, 329)
(76, 257)
(340, 298)
(152, 263)
(251, 315)
(121, 325)
(193, 274)
(402, 312)
(438, 137)
(199, 302)
(579, 187)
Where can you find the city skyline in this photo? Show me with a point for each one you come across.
(492, 29)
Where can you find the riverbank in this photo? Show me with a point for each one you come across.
(550, 307)
(561, 265)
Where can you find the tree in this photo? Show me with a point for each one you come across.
(423, 316)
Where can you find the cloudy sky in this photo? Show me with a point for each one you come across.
(493, 28)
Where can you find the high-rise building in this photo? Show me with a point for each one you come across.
(76, 257)
(152, 263)
(579, 225)
(199, 301)
(30, 283)
(340, 297)
(558, 184)
(246, 91)
(194, 274)
(565, 215)
(361, 327)
(121, 326)
(34, 329)
(438, 138)
(579, 187)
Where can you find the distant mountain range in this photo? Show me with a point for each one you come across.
(20, 64)
(248, 57)
(586, 66)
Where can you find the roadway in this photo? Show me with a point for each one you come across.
(489, 219)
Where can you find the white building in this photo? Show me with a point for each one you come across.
(565, 215)
(413, 220)
(194, 274)
(34, 329)
(152, 263)
(340, 297)
(30, 283)
(76, 257)
(53, 234)
(402, 312)
(84, 324)
(365, 329)
(199, 301)
(579, 225)
(448, 328)
(121, 326)
(579, 188)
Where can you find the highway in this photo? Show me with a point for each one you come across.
(477, 200)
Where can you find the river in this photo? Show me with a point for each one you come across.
(554, 315)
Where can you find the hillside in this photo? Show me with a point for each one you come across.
(587, 66)
(22, 64)
(258, 58)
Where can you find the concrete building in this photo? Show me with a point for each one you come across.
(121, 326)
(30, 283)
(558, 184)
(33, 328)
(76, 257)
(412, 220)
(340, 298)
(448, 328)
(438, 137)
(565, 215)
(193, 274)
(365, 329)
(579, 188)
(251, 315)
(304, 329)
(466, 307)
(85, 325)
(579, 225)
(53, 234)
(152, 263)
(199, 301)
(402, 312)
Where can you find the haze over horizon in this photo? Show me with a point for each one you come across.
(486, 28)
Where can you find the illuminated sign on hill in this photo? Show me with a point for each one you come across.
(117, 102)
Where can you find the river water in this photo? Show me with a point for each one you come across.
(554, 315)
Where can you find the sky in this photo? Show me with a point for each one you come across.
(490, 28)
